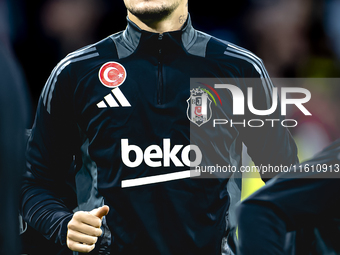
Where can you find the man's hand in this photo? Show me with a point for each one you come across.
(84, 229)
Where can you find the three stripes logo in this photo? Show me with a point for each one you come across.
(112, 75)
(110, 101)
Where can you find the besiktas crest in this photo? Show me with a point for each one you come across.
(199, 107)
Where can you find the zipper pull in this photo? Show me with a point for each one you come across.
(160, 37)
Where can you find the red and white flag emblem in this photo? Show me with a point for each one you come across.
(112, 74)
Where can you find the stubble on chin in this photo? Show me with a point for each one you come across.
(152, 13)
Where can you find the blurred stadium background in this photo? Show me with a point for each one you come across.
(295, 39)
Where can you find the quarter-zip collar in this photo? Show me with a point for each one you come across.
(133, 35)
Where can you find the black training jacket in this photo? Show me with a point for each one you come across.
(304, 200)
(131, 114)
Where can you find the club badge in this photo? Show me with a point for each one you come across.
(199, 107)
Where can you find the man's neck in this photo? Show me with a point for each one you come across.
(173, 22)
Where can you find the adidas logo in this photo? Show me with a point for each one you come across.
(110, 101)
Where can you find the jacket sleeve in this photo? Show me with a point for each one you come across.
(50, 151)
(289, 202)
(269, 142)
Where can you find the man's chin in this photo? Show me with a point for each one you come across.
(152, 11)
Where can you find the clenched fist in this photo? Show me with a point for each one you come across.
(84, 229)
